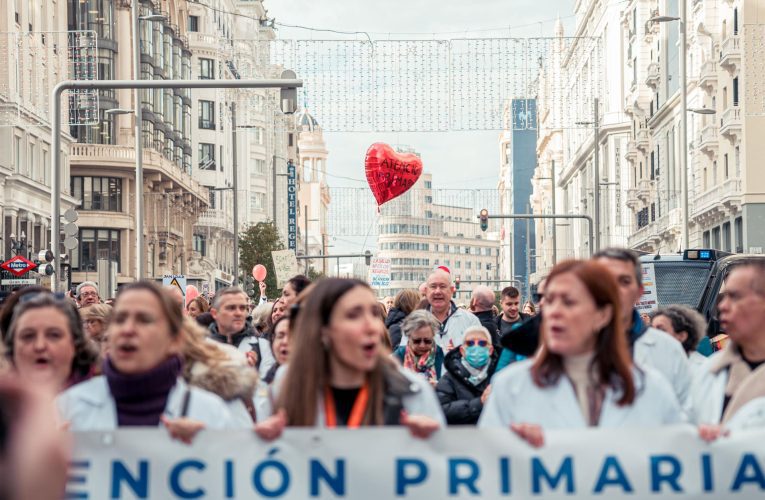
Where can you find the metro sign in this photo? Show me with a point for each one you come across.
(18, 265)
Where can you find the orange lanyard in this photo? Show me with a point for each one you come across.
(357, 412)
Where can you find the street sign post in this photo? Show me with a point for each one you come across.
(18, 265)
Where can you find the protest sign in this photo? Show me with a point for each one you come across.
(649, 301)
(379, 272)
(285, 265)
(670, 462)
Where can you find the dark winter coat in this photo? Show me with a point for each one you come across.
(489, 321)
(393, 324)
(461, 400)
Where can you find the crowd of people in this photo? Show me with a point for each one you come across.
(330, 354)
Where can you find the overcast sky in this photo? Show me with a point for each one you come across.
(457, 159)
(444, 153)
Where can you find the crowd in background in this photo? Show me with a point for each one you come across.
(331, 354)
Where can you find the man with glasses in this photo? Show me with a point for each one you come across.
(730, 387)
(453, 321)
(87, 294)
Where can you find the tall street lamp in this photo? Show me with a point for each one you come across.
(595, 123)
(685, 242)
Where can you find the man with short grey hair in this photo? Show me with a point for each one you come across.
(452, 320)
(230, 310)
(87, 294)
(481, 302)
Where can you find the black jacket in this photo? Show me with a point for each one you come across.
(393, 324)
(525, 337)
(489, 321)
(461, 400)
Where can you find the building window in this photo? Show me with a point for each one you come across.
(206, 156)
(735, 91)
(206, 69)
(96, 244)
(211, 196)
(428, 184)
(257, 201)
(726, 237)
(98, 193)
(193, 24)
(200, 244)
(706, 240)
(207, 115)
(738, 226)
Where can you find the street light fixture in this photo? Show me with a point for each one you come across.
(118, 111)
(153, 17)
(702, 111)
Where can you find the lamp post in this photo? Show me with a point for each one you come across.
(18, 244)
(139, 207)
(595, 171)
(685, 242)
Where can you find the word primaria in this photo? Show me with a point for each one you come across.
(272, 478)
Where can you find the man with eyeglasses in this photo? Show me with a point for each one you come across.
(453, 321)
(729, 389)
(87, 294)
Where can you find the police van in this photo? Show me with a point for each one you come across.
(693, 278)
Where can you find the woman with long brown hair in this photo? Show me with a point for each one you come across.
(582, 375)
(339, 375)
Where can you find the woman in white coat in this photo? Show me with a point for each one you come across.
(339, 375)
(582, 375)
(141, 383)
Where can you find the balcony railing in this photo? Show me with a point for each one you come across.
(730, 123)
(718, 195)
(214, 217)
(707, 140)
(708, 76)
(643, 139)
(652, 80)
(730, 53)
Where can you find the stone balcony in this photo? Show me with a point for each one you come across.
(707, 141)
(730, 53)
(215, 217)
(644, 190)
(730, 124)
(717, 199)
(631, 152)
(643, 140)
(157, 168)
(632, 200)
(708, 77)
(654, 75)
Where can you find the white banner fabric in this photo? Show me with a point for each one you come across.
(387, 463)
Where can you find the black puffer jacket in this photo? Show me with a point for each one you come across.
(393, 324)
(461, 400)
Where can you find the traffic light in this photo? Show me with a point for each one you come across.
(249, 286)
(45, 266)
(457, 282)
(484, 216)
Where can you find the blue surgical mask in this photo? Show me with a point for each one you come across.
(477, 356)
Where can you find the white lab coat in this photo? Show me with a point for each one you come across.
(422, 402)
(666, 355)
(515, 398)
(89, 406)
(749, 416)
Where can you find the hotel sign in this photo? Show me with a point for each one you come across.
(291, 206)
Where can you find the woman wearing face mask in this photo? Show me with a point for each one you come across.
(338, 373)
(421, 355)
(46, 344)
(142, 383)
(582, 375)
(464, 388)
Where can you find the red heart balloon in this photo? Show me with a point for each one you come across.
(390, 174)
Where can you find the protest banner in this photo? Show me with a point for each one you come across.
(670, 462)
(285, 265)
